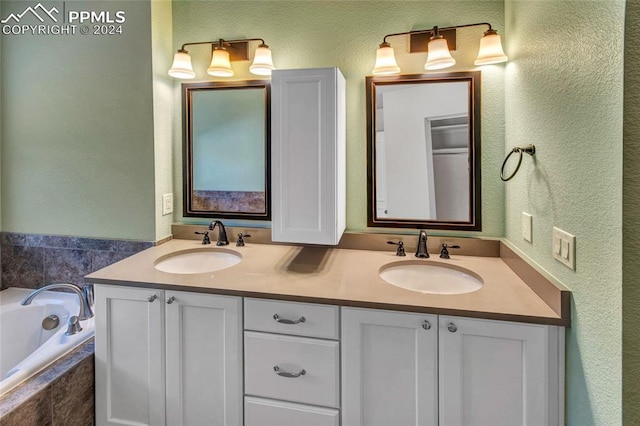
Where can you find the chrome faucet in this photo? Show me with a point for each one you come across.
(421, 250)
(222, 233)
(85, 309)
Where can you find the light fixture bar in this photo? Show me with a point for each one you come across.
(222, 53)
(431, 31)
(438, 42)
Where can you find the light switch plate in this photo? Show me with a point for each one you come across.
(167, 204)
(564, 247)
(527, 220)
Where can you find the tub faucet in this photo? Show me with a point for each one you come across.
(222, 233)
(85, 310)
(421, 250)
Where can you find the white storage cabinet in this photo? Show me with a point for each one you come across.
(308, 156)
(167, 357)
(411, 369)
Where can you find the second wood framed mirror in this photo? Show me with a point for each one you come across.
(423, 151)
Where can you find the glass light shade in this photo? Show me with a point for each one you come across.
(438, 55)
(220, 64)
(262, 61)
(181, 67)
(490, 51)
(385, 61)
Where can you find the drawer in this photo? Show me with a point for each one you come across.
(265, 412)
(300, 319)
(319, 359)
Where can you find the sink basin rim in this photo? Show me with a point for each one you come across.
(468, 287)
(233, 256)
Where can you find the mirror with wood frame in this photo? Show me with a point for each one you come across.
(423, 151)
(226, 149)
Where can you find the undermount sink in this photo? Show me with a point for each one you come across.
(430, 277)
(197, 261)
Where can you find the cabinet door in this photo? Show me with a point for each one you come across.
(204, 359)
(308, 155)
(389, 368)
(130, 387)
(498, 373)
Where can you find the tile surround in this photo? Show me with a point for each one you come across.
(60, 395)
(32, 260)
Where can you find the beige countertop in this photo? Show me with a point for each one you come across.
(336, 276)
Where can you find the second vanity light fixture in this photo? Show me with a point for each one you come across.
(438, 56)
(221, 59)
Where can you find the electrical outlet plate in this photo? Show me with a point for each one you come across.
(167, 204)
(564, 248)
(527, 220)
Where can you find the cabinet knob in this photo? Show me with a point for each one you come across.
(426, 325)
(287, 374)
(288, 321)
(152, 298)
(452, 327)
(171, 300)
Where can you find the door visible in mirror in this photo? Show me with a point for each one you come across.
(226, 149)
(423, 151)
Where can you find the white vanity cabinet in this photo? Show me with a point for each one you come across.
(292, 364)
(412, 369)
(389, 368)
(500, 373)
(308, 156)
(167, 357)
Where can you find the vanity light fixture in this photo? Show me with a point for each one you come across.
(222, 53)
(438, 55)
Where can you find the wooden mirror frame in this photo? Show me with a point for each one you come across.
(475, 199)
(188, 89)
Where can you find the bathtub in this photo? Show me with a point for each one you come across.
(25, 346)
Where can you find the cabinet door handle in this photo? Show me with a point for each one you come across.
(288, 321)
(287, 374)
(152, 298)
(426, 325)
(171, 300)
(452, 327)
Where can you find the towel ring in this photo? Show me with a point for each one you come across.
(531, 150)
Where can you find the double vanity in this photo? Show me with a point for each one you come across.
(271, 334)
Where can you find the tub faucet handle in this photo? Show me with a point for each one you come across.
(73, 326)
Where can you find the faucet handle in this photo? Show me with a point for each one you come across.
(205, 237)
(400, 250)
(240, 240)
(444, 253)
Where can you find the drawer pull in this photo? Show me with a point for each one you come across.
(287, 374)
(152, 298)
(288, 321)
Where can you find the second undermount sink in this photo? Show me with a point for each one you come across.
(197, 261)
(430, 277)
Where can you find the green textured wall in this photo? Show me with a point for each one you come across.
(346, 34)
(77, 148)
(162, 53)
(631, 219)
(564, 93)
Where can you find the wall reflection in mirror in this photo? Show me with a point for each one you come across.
(423, 149)
(226, 149)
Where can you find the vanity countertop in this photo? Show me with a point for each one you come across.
(336, 276)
